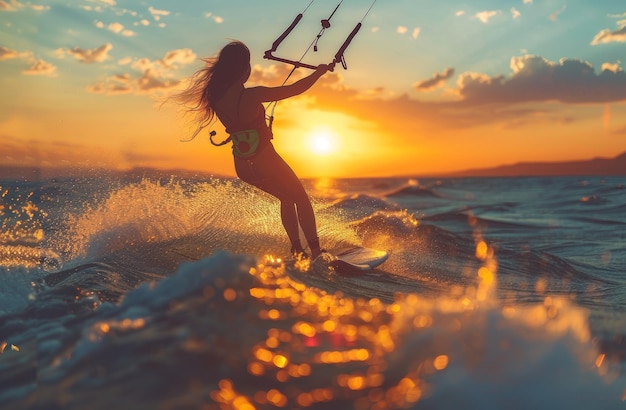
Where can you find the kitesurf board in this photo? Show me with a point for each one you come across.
(357, 259)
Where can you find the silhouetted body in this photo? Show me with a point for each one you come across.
(219, 89)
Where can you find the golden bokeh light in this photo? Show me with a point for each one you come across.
(355, 341)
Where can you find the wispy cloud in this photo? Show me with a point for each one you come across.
(157, 14)
(40, 67)
(213, 17)
(37, 66)
(96, 55)
(405, 30)
(485, 16)
(14, 5)
(155, 75)
(436, 81)
(515, 13)
(614, 67)
(555, 16)
(9, 54)
(182, 56)
(116, 28)
(608, 36)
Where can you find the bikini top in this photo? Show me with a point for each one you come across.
(250, 137)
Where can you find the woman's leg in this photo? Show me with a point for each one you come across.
(270, 173)
(289, 218)
(306, 219)
(296, 210)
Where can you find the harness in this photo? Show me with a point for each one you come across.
(245, 142)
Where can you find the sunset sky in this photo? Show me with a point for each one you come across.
(432, 86)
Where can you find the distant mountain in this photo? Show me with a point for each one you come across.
(596, 166)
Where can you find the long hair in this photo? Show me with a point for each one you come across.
(210, 83)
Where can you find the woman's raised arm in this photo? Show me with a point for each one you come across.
(267, 94)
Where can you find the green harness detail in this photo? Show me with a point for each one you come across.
(245, 143)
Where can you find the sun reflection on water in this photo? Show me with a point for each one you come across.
(348, 339)
(323, 347)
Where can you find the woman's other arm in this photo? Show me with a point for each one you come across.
(267, 94)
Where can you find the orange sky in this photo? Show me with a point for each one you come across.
(89, 95)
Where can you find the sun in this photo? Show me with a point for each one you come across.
(321, 141)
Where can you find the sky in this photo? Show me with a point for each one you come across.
(431, 86)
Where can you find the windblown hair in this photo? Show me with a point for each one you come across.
(210, 83)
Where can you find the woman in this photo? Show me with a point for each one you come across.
(218, 90)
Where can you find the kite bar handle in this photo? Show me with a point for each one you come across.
(280, 39)
(297, 64)
(339, 57)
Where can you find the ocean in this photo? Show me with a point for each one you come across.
(146, 291)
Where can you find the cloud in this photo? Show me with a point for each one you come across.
(535, 78)
(14, 5)
(436, 81)
(515, 13)
(614, 67)
(404, 30)
(608, 36)
(156, 76)
(4, 6)
(96, 55)
(37, 67)
(116, 28)
(485, 16)
(528, 1)
(8, 54)
(181, 56)
(119, 29)
(213, 17)
(522, 98)
(157, 14)
(125, 61)
(40, 67)
(555, 16)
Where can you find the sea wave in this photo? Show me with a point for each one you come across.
(485, 296)
(236, 330)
